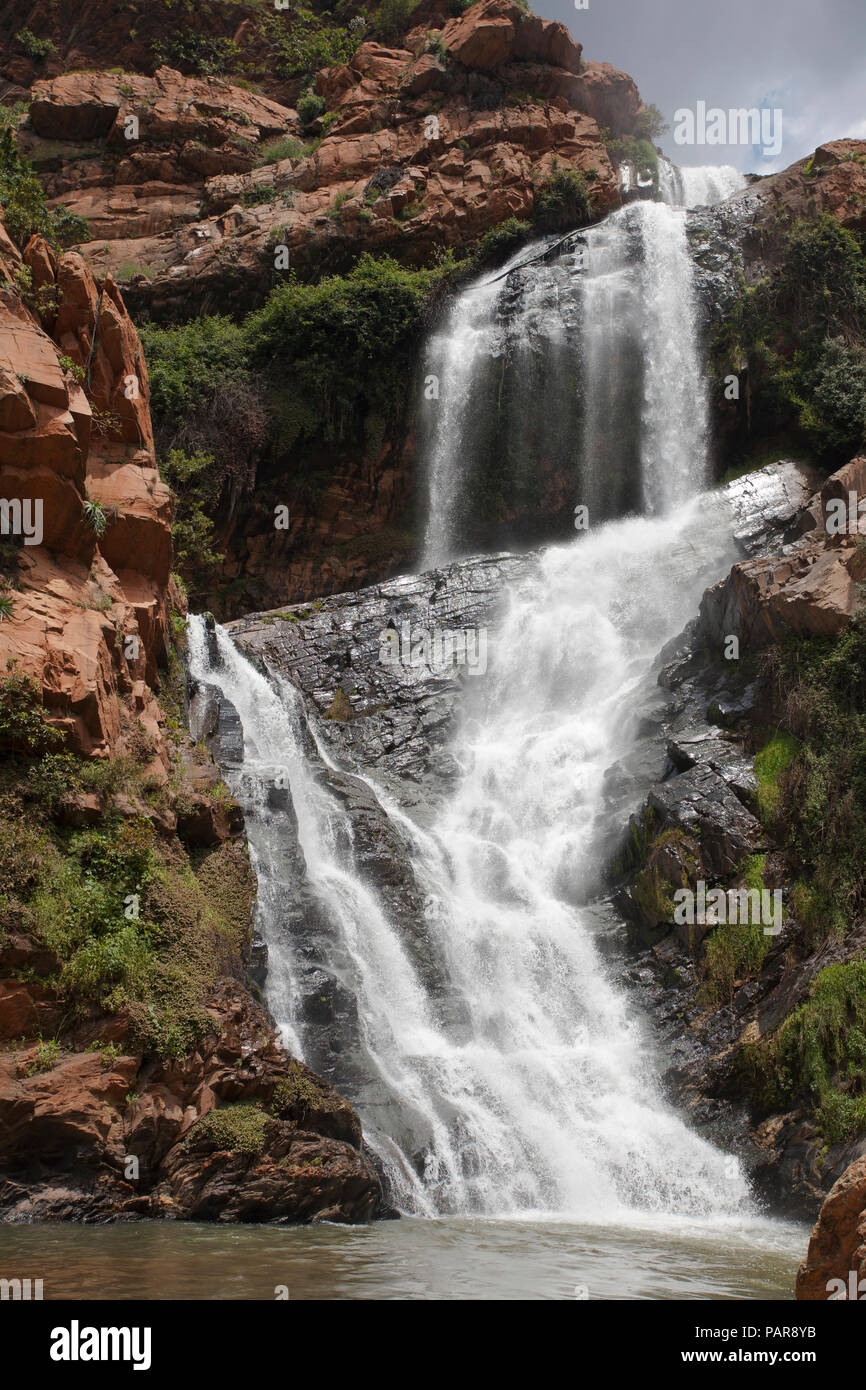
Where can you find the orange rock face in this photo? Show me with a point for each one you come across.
(469, 125)
(835, 1265)
(813, 589)
(90, 612)
(79, 1116)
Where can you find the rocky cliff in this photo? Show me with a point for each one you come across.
(137, 1073)
(208, 182)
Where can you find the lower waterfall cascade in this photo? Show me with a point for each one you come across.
(534, 1091)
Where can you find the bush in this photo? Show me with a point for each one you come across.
(195, 488)
(499, 243)
(122, 958)
(238, 1128)
(22, 721)
(802, 333)
(562, 202)
(641, 153)
(309, 44)
(819, 1053)
(37, 49)
(25, 210)
(202, 54)
(391, 18)
(309, 107)
(342, 346)
(820, 687)
(211, 413)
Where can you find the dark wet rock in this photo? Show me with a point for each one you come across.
(700, 802)
(401, 718)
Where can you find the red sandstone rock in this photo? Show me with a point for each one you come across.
(835, 1266)
(72, 615)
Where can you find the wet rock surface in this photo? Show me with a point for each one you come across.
(286, 1147)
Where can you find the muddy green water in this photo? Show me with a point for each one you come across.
(409, 1259)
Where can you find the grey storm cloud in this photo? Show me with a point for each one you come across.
(806, 58)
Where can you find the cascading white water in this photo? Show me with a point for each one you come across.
(544, 1101)
(616, 306)
(699, 185)
(538, 1096)
(470, 329)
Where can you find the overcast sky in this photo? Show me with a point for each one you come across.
(805, 57)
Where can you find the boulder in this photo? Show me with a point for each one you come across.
(835, 1265)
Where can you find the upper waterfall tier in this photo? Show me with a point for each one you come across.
(583, 360)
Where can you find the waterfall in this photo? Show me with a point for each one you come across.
(534, 1092)
(698, 186)
(598, 344)
(525, 1083)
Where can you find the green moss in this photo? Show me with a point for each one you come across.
(294, 1094)
(236, 1128)
(818, 1056)
(771, 762)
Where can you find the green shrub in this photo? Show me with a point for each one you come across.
(22, 721)
(342, 345)
(819, 1053)
(500, 242)
(310, 106)
(101, 964)
(641, 153)
(203, 54)
(649, 123)
(186, 364)
(37, 49)
(820, 805)
(236, 1128)
(195, 487)
(391, 18)
(47, 1056)
(309, 43)
(801, 331)
(562, 202)
(283, 147)
(25, 210)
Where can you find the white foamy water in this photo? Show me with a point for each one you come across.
(539, 1096)
(699, 185)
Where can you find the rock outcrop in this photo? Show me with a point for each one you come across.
(811, 588)
(420, 147)
(701, 823)
(90, 601)
(834, 1269)
(235, 1131)
(97, 1123)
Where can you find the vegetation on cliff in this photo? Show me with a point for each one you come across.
(126, 916)
(800, 333)
(25, 210)
(319, 365)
